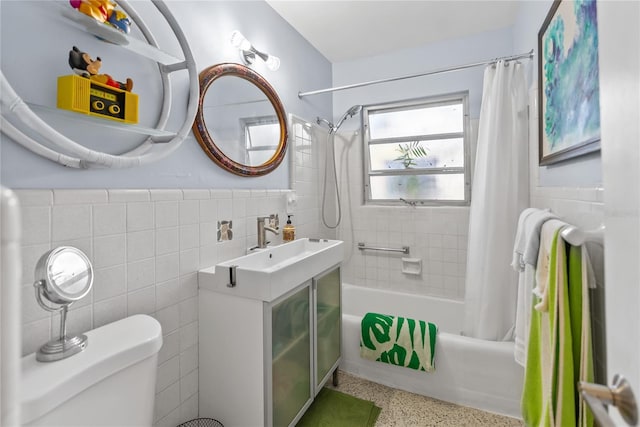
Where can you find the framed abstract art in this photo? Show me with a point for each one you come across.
(568, 82)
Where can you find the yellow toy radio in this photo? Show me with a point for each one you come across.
(83, 95)
(96, 94)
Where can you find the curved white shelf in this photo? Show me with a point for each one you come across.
(110, 34)
(43, 140)
(159, 135)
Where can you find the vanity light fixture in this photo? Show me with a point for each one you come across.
(249, 53)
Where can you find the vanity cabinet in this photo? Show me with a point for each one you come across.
(328, 315)
(291, 350)
(263, 362)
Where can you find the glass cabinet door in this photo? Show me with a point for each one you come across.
(327, 293)
(291, 356)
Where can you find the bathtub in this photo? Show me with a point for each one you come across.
(468, 371)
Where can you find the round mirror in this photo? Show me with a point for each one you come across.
(66, 274)
(241, 122)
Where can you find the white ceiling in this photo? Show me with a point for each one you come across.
(343, 30)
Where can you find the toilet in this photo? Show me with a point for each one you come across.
(111, 383)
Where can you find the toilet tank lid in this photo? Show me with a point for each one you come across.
(110, 348)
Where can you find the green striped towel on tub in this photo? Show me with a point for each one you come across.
(398, 341)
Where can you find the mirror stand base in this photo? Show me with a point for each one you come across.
(61, 348)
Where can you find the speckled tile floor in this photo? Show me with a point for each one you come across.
(404, 409)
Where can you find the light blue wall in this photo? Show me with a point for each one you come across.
(31, 61)
(417, 60)
(585, 171)
(35, 41)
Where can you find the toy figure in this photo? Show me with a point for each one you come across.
(99, 10)
(82, 64)
(120, 21)
(103, 11)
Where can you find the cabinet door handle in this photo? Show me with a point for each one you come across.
(619, 394)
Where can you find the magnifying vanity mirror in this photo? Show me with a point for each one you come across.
(241, 123)
(63, 275)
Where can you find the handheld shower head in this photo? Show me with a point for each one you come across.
(350, 113)
(354, 110)
(334, 128)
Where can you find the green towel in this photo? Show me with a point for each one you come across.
(564, 386)
(581, 327)
(548, 398)
(559, 351)
(398, 341)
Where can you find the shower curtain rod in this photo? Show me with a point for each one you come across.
(528, 55)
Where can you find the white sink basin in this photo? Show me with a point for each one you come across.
(267, 274)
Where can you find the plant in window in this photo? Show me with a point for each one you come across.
(417, 150)
(409, 153)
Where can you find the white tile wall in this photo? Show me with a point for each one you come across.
(436, 235)
(583, 206)
(146, 247)
(307, 174)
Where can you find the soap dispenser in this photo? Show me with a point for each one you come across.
(288, 231)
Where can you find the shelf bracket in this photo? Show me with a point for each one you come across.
(162, 139)
(170, 68)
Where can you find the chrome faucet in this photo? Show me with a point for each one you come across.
(262, 231)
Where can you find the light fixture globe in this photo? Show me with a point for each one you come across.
(239, 41)
(248, 52)
(273, 63)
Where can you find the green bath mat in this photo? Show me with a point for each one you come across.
(335, 409)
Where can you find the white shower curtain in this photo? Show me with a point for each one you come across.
(500, 193)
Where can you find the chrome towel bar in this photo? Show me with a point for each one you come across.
(577, 236)
(619, 394)
(404, 249)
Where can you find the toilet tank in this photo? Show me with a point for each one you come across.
(111, 383)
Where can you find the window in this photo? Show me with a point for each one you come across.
(417, 151)
(259, 136)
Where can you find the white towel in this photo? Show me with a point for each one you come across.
(527, 240)
(542, 270)
(520, 241)
(526, 280)
(532, 231)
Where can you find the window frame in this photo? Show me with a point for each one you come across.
(246, 123)
(430, 101)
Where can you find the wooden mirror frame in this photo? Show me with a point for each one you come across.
(208, 76)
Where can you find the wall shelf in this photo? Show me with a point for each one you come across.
(106, 32)
(43, 140)
(158, 135)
